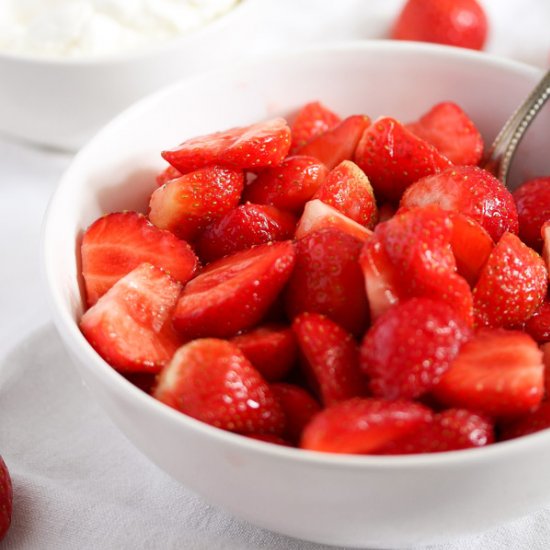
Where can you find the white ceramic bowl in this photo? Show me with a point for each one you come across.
(61, 103)
(358, 501)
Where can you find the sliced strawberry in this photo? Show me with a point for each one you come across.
(289, 185)
(299, 408)
(188, 204)
(451, 430)
(533, 205)
(348, 189)
(117, 243)
(461, 23)
(363, 426)
(338, 144)
(538, 326)
(234, 293)
(410, 347)
(312, 120)
(470, 191)
(244, 227)
(331, 358)
(270, 438)
(393, 158)
(168, 174)
(527, 424)
(471, 246)
(449, 129)
(211, 380)
(272, 349)
(256, 146)
(512, 285)
(6, 499)
(130, 326)
(499, 372)
(318, 215)
(327, 279)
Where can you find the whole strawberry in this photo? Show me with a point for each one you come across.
(6, 499)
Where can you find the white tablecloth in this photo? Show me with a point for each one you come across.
(78, 482)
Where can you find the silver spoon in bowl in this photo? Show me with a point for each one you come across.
(501, 153)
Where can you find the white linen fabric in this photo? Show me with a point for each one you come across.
(78, 482)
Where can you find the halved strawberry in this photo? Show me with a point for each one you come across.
(331, 358)
(451, 430)
(289, 185)
(117, 243)
(471, 246)
(410, 347)
(312, 120)
(363, 426)
(318, 215)
(449, 129)
(234, 293)
(130, 326)
(188, 204)
(512, 285)
(393, 158)
(299, 408)
(327, 279)
(168, 174)
(348, 189)
(256, 146)
(272, 349)
(243, 227)
(538, 326)
(528, 424)
(211, 380)
(533, 206)
(471, 191)
(338, 144)
(499, 372)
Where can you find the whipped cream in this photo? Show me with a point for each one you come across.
(87, 28)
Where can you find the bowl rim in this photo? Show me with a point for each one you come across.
(70, 333)
(241, 9)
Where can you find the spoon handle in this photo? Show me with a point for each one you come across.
(501, 153)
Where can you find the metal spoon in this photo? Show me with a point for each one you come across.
(500, 155)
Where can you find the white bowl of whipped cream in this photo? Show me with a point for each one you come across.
(68, 66)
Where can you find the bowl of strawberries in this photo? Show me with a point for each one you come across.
(305, 300)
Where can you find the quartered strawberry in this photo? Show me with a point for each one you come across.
(256, 146)
(289, 185)
(499, 372)
(211, 380)
(538, 326)
(533, 206)
(234, 293)
(269, 438)
(393, 158)
(331, 358)
(471, 191)
(243, 227)
(363, 426)
(130, 326)
(471, 246)
(188, 204)
(272, 349)
(512, 285)
(338, 144)
(312, 120)
(319, 215)
(527, 424)
(410, 347)
(449, 129)
(327, 279)
(299, 408)
(348, 189)
(451, 430)
(168, 174)
(117, 243)
(460, 23)
(6, 499)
